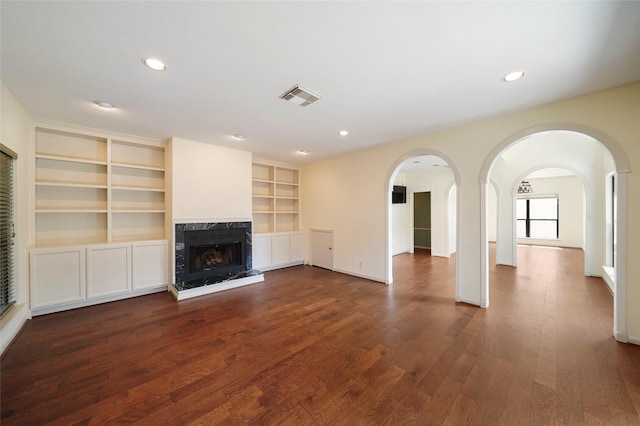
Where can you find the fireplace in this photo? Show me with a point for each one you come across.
(219, 257)
(212, 253)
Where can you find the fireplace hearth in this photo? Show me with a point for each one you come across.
(213, 254)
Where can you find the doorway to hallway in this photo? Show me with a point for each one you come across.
(422, 220)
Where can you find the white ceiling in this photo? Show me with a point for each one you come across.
(423, 162)
(549, 173)
(385, 70)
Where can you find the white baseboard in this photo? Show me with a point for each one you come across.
(280, 265)
(470, 302)
(11, 324)
(440, 255)
(621, 337)
(97, 301)
(360, 275)
(633, 340)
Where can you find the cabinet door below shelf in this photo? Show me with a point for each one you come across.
(150, 264)
(261, 251)
(279, 249)
(297, 246)
(108, 270)
(57, 276)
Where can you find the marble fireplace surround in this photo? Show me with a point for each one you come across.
(183, 289)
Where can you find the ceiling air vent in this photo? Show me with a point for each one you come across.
(300, 96)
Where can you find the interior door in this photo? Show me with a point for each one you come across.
(322, 248)
(422, 220)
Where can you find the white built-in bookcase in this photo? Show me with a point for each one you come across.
(277, 240)
(275, 199)
(99, 228)
(93, 189)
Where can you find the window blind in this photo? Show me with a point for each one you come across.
(6, 228)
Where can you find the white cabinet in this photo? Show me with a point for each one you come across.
(261, 251)
(297, 246)
(99, 217)
(57, 276)
(150, 268)
(71, 277)
(277, 240)
(278, 250)
(108, 269)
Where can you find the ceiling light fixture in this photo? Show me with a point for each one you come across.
(303, 152)
(513, 76)
(239, 137)
(525, 187)
(154, 64)
(343, 133)
(103, 105)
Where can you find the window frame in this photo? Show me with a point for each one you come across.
(527, 220)
(7, 229)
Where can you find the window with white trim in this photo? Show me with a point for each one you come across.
(7, 234)
(538, 218)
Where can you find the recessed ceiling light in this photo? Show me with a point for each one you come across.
(154, 64)
(343, 133)
(513, 76)
(239, 137)
(103, 105)
(303, 152)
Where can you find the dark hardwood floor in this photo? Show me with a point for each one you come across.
(309, 346)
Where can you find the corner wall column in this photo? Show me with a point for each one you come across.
(484, 248)
(620, 296)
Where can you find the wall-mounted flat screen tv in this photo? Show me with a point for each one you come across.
(399, 194)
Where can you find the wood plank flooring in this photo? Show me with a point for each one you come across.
(309, 346)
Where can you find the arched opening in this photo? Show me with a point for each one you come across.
(422, 171)
(588, 154)
(544, 184)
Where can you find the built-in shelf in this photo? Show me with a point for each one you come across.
(275, 192)
(93, 189)
(70, 185)
(136, 211)
(68, 159)
(70, 211)
(134, 166)
(136, 188)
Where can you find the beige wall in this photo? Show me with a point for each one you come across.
(611, 116)
(209, 183)
(14, 122)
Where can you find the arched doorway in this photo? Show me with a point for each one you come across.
(572, 215)
(620, 166)
(439, 161)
